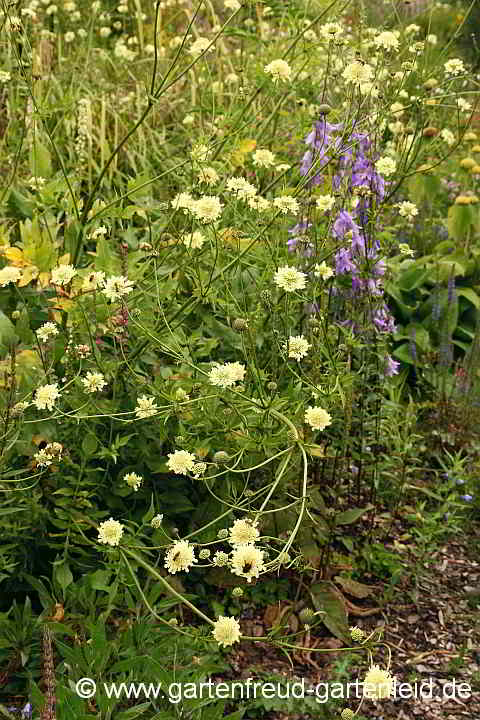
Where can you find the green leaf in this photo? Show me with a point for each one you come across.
(350, 516)
(133, 712)
(89, 444)
(63, 575)
(40, 160)
(461, 219)
(327, 598)
(99, 580)
(8, 337)
(470, 295)
(404, 354)
(19, 206)
(352, 587)
(414, 277)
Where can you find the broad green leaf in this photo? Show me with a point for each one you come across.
(470, 295)
(413, 277)
(404, 354)
(461, 220)
(350, 516)
(327, 598)
(8, 336)
(19, 206)
(133, 712)
(352, 587)
(40, 160)
(63, 575)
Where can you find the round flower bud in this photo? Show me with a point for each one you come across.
(357, 634)
(204, 554)
(237, 592)
(430, 83)
(222, 534)
(179, 440)
(430, 132)
(173, 622)
(347, 714)
(467, 163)
(272, 386)
(240, 325)
(324, 109)
(266, 297)
(306, 616)
(221, 457)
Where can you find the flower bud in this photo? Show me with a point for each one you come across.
(221, 457)
(240, 325)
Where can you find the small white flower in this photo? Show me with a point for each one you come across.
(298, 346)
(279, 70)
(199, 46)
(193, 240)
(289, 278)
(323, 271)
(156, 521)
(447, 136)
(45, 396)
(62, 274)
(386, 166)
(227, 374)
(263, 158)
(247, 562)
(317, 418)
(47, 330)
(407, 209)
(331, 31)
(93, 382)
(325, 202)
(207, 209)
(8, 275)
(134, 481)
(208, 176)
(406, 250)
(226, 630)
(117, 287)
(454, 67)
(286, 204)
(180, 557)
(358, 73)
(146, 407)
(241, 187)
(378, 684)
(182, 201)
(231, 5)
(387, 40)
(181, 462)
(243, 532)
(110, 532)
